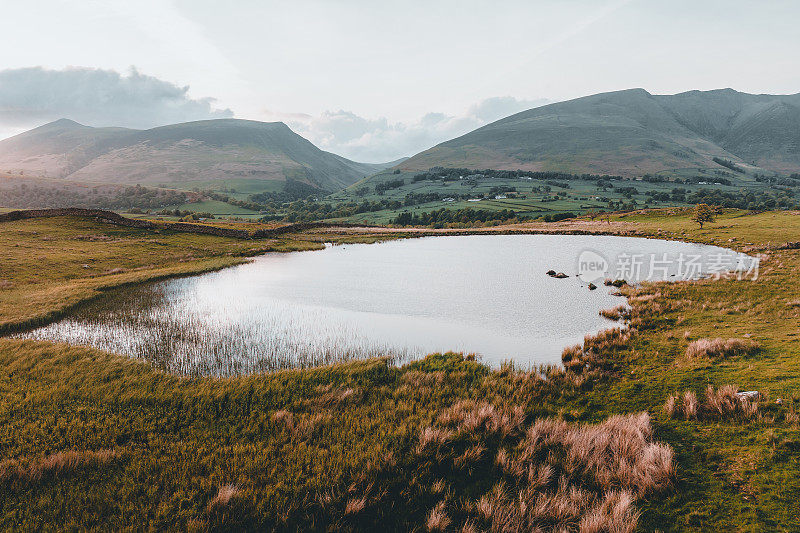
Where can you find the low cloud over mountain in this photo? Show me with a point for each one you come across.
(32, 96)
(377, 140)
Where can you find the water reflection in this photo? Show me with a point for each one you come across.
(403, 299)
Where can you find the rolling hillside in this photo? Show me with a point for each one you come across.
(180, 155)
(633, 132)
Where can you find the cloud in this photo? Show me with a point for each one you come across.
(95, 97)
(378, 140)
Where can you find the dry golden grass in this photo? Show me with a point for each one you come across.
(182, 439)
(718, 403)
(721, 347)
(619, 312)
(437, 519)
(555, 475)
(224, 496)
(54, 465)
(50, 265)
(355, 506)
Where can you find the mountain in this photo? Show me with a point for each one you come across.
(203, 151)
(633, 132)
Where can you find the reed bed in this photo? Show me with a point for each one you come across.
(161, 323)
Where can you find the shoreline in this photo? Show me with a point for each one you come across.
(213, 265)
(343, 234)
(289, 418)
(346, 234)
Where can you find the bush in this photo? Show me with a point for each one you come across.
(558, 216)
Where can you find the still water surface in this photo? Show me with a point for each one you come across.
(487, 295)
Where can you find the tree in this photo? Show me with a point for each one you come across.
(702, 214)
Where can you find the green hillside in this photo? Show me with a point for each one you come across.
(486, 195)
(250, 153)
(633, 132)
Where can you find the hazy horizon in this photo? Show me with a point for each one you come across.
(373, 82)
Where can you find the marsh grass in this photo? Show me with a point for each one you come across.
(162, 324)
(721, 403)
(52, 265)
(179, 439)
(620, 312)
(551, 475)
(56, 464)
(721, 347)
(346, 446)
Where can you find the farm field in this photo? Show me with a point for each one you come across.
(533, 198)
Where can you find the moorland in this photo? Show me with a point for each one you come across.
(640, 426)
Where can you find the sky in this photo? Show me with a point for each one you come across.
(374, 80)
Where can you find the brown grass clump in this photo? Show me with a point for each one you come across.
(724, 402)
(433, 438)
(791, 416)
(554, 475)
(330, 397)
(300, 426)
(54, 465)
(670, 404)
(437, 519)
(616, 513)
(224, 495)
(468, 417)
(617, 313)
(355, 506)
(721, 347)
(689, 404)
(595, 352)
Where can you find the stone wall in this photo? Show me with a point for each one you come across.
(110, 217)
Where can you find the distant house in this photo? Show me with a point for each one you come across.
(500, 197)
(475, 199)
(448, 199)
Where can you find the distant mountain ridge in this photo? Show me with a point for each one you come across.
(202, 151)
(633, 132)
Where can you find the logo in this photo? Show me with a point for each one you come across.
(592, 266)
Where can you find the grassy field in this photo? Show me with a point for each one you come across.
(93, 440)
(51, 264)
(530, 198)
(215, 207)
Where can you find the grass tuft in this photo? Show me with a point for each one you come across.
(718, 347)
